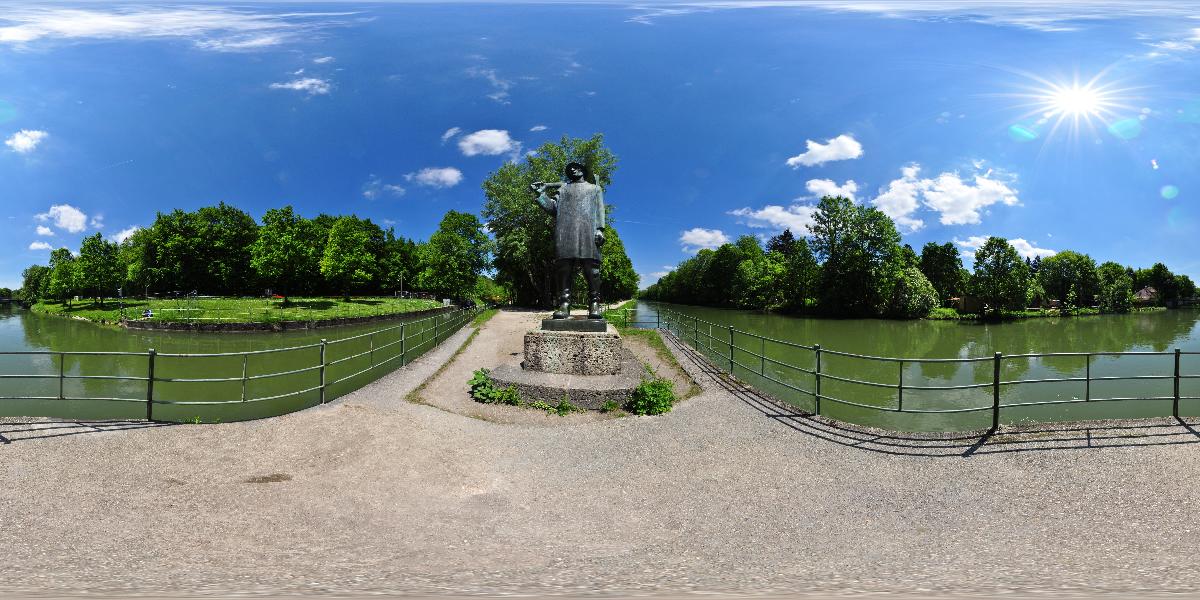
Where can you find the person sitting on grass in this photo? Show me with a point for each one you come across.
(146, 314)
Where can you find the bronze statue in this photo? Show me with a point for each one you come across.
(578, 209)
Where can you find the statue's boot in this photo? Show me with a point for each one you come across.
(594, 310)
(562, 276)
(564, 311)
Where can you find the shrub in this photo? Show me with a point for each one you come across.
(913, 297)
(485, 390)
(652, 397)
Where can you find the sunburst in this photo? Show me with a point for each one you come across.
(1071, 107)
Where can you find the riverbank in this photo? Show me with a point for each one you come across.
(237, 314)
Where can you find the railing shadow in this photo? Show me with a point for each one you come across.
(1050, 436)
(43, 429)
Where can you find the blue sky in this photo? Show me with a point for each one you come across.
(959, 120)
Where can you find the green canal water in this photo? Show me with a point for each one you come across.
(1150, 331)
(29, 343)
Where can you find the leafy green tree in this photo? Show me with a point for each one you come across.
(1162, 279)
(138, 257)
(285, 252)
(64, 275)
(914, 296)
(1115, 294)
(942, 266)
(1067, 271)
(1001, 278)
(400, 263)
(6, 293)
(784, 243)
(909, 257)
(457, 253)
(347, 261)
(524, 233)
(35, 283)
(1184, 287)
(98, 267)
(800, 276)
(227, 234)
(618, 280)
(862, 260)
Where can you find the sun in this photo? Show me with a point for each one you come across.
(1077, 101)
(1070, 106)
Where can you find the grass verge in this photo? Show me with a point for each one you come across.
(235, 310)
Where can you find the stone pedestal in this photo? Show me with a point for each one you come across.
(574, 360)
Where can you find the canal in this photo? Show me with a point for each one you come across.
(1149, 331)
(29, 343)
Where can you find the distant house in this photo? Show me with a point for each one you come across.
(1146, 295)
(968, 305)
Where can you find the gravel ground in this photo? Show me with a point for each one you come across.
(725, 494)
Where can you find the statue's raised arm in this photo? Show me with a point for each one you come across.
(547, 202)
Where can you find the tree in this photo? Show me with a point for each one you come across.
(347, 261)
(226, 235)
(1001, 278)
(98, 267)
(618, 280)
(914, 296)
(285, 252)
(800, 276)
(400, 263)
(63, 275)
(138, 256)
(784, 243)
(455, 256)
(1115, 294)
(524, 233)
(860, 250)
(909, 257)
(1069, 271)
(35, 282)
(1184, 287)
(942, 266)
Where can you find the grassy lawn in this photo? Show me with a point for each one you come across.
(237, 310)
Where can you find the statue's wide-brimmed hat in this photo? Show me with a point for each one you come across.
(587, 173)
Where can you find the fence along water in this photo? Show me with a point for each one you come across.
(941, 394)
(233, 386)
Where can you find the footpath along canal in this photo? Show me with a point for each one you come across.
(52, 366)
(774, 352)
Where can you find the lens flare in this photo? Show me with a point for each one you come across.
(7, 112)
(1169, 192)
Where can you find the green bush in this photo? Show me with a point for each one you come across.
(653, 397)
(485, 390)
(913, 297)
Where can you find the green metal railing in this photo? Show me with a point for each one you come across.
(371, 353)
(724, 345)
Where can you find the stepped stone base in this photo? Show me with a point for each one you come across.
(584, 391)
(574, 352)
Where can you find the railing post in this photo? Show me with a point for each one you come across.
(658, 320)
(710, 338)
(402, 340)
(762, 356)
(435, 330)
(996, 391)
(62, 361)
(1087, 378)
(1175, 407)
(244, 357)
(731, 350)
(817, 382)
(900, 390)
(323, 344)
(150, 385)
(371, 339)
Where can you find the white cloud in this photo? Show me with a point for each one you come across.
(453, 131)
(40, 246)
(1023, 247)
(797, 217)
(820, 188)
(959, 202)
(310, 85)
(899, 200)
(43, 230)
(124, 234)
(500, 86)
(1027, 250)
(321, 60)
(437, 177)
(65, 216)
(538, 128)
(25, 140)
(696, 238)
(96, 222)
(375, 187)
(842, 147)
(208, 28)
(489, 142)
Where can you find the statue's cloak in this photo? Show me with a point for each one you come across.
(578, 211)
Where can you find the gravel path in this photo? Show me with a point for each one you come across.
(725, 494)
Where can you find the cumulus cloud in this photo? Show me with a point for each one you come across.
(1023, 247)
(220, 29)
(842, 147)
(25, 140)
(43, 230)
(820, 188)
(124, 234)
(696, 238)
(40, 246)
(538, 128)
(65, 216)
(96, 222)
(310, 85)
(376, 187)
(489, 142)
(899, 200)
(797, 217)
(436, 177)
(957, 200)
(321, 60)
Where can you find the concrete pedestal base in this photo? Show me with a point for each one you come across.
(573, 352)
(584, 391)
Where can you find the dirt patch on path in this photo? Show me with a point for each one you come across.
(501, 340)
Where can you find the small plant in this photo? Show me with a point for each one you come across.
(653, 397)
(609, 406)
(565, 407)
(485, 390)
(540, 405)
